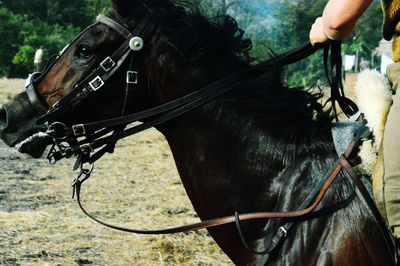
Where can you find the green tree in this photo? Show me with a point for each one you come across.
(10, 39)
(27, 24)
(281, 25)
(34, 35)
(367, 34)
(78, 13)
(294, 29)
(276, 24)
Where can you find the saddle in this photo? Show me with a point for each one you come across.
(373, 113)
(371, 157)
(344, 132)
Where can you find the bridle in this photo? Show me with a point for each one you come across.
(83, 139)
(67, 146)
(89, 142)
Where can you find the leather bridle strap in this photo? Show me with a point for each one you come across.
(286, 227)
(157, 115)
(297, 54)
(231, 219)
(281, 234)
(160, 114)
(345, 164)
(219, 221)
(312, 201)
(348, 107)
(122, 30)
(214, 89)
(60, 107)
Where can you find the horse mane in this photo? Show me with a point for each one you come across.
(191, 39)
(297, 128)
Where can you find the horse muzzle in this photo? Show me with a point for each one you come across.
(18, 127)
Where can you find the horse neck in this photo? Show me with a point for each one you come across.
(229, 161)
(235, 159)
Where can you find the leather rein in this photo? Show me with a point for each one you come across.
(82, 140)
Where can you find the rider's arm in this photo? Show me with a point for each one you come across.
(338, 20)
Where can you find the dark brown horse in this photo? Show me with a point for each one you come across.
(258, 147)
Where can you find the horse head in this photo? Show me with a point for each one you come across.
(18, 117)
(165, 68)
(252, 144)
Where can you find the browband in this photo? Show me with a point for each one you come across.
(114, 25)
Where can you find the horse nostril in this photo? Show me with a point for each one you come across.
(3, 119)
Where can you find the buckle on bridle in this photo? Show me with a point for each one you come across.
(79, 130)
(131, 77)
(96, 83)
(282, 230)
(107, 64)
(86, 149)
(58, 131)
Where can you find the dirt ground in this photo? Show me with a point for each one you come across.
(40, 224)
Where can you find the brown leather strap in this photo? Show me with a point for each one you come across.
(233, 218)
(114, 25)
(343, 163)
(223, 220)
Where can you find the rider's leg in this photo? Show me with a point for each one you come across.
(391, 155)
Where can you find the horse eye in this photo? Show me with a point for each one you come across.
(84, 51)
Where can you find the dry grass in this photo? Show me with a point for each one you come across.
(137, 186)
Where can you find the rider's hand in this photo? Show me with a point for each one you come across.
(317, 33)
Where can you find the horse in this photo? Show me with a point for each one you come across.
(259, 146)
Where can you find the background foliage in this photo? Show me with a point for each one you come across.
(25, 25)
(271, 24)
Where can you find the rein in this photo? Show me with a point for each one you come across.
(306, 208)
(82, 140)
(94, 133)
